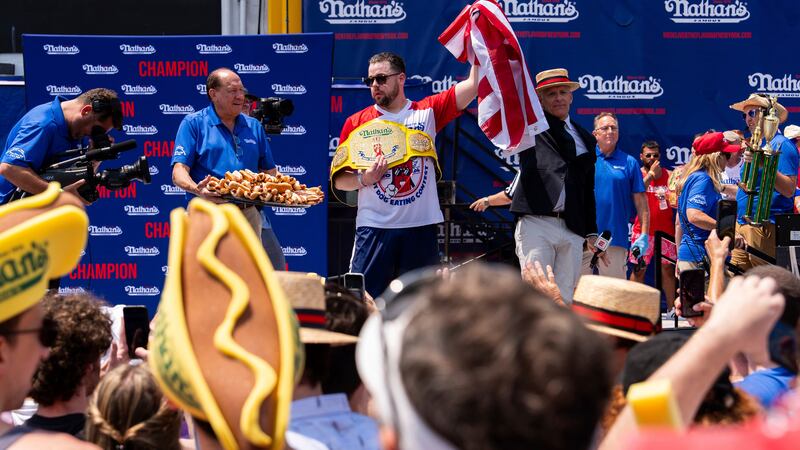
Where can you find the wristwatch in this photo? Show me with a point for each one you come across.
(486, 202)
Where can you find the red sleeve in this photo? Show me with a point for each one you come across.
(347, 128)
(444, 107)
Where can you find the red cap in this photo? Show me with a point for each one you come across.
(712, 143)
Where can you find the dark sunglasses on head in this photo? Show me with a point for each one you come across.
(47, 332)
(381, 79)
(752, 114)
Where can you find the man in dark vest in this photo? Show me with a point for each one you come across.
(554, 198)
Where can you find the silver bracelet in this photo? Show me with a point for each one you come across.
(360, 177)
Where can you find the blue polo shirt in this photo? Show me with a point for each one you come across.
(39, 135)
(208, 147)
(788, 162)
(698, 193)
(616, 178)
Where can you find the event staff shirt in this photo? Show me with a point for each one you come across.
(406, 195)
(698, 193)
(208, 147)
(788, 162)
(41, 134)
(616, 178)
(661, 219)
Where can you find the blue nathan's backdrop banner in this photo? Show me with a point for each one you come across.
(160, 80)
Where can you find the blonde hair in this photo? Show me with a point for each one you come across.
(709, 163)
(128, 411)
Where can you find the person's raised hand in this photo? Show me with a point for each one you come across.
(375, 173)
(203, 191)
(704, 307)
(717, 249)
(655, 168)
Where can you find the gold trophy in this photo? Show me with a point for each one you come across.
(762, 167)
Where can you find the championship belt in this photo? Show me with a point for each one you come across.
(396, 142)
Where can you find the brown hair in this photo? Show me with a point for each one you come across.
(128, 411)
(491, 363)
(84, 334)
(395, 61)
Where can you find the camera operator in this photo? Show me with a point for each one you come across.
(218, 139)
(50, 129)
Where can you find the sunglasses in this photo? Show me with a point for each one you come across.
(651, 156)
(381, 79)
(751, 114)
(47, 332)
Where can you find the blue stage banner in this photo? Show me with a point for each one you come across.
(668, 69)
(160, 80)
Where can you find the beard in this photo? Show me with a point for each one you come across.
(388, 97)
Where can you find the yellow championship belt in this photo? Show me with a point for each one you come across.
(396, 142)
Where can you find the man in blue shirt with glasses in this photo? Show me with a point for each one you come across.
(219, 139)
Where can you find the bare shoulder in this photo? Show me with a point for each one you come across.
(61, 441)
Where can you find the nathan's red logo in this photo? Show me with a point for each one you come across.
(156, 230)
(173, 68)
(105, 271)
(159, 149)
(128, 192)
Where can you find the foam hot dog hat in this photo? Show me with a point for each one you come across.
(41, 238)
(225, 345)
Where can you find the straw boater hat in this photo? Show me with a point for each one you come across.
(225, 345)
(791, 132)
(555, 77)
(616, 307)
(761, 101)
(306, 293)
(41, 238)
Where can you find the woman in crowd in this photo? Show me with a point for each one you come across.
(129, 412)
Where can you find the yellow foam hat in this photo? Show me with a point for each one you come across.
(41, 238)
(225, 345)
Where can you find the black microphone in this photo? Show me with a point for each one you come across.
(636, 252)
(600, 245)
(110, 152)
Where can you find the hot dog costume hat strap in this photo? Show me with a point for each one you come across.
(41, 238)
(225, 345)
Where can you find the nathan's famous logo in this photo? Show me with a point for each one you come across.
(130, 89)
(21, 267)
(168, 189)
(132, 210)
(213, 49)
(95, 230)
(137, 130)
(376, 132)
(99, 69)
(678, 155)
(288, 211)
(289, 48)
(250, 68)
(16, 153)
(294, 251)
(63, 90)
(539, 10)
(707, 11)
(141, 251)
(136, 49)
(341, 12)
(785, 86)
(292, 170)
(51, 49)
(621, 87)
(436, 85)
(293, 130)
(201, 89)
(66, 290)
(175, 109)
(142, 291)
(288, 89)
(403, 184)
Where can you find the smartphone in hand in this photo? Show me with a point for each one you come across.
(137, 328)
(693, 286)
(726, 220)
(354, 282)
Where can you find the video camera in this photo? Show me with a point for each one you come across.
(270, 112)
(81, 167)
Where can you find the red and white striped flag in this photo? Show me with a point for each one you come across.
(509, 112)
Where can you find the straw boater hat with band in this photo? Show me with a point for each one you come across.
(619, 308)
(761, 101)
(41, 238)
(225, 344)
(555, 77)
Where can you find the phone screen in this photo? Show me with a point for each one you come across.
(693, 285)
(354, 282)
(783, 346)
(726, 220)
(137, 328)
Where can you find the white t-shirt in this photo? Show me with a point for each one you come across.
(406, 195)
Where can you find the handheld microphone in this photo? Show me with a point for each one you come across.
(600, 245)
(637, 255)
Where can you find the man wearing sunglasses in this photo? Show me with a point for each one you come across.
(763, 237)
(398, 206)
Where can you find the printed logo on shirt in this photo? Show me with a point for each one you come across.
(698, 199)
(168, 189)
(129, 89)
(175, 109)
(16, 153)
(132, 210)
(63, 90)
(294, 251)
(288, 211)
(250, 68)
(678, 155)
(293, 130)
(142, 291)
(707, 11)
(292, 170)
(359, 12)
(213, 49)
(249, 141)
(765, 83)
(142, 251)
(135, 49)
(288, 89)
(289, 48)
(551, 11)
(95, 230)
(99, 69)
(51, 49)
(139, 130)
(403, 184)
(201, 89)
(621, 87)
(180, 151)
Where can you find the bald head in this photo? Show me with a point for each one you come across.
(216, 77)
(226, 92)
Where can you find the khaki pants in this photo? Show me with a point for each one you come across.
(617, 263)
(761, 238)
